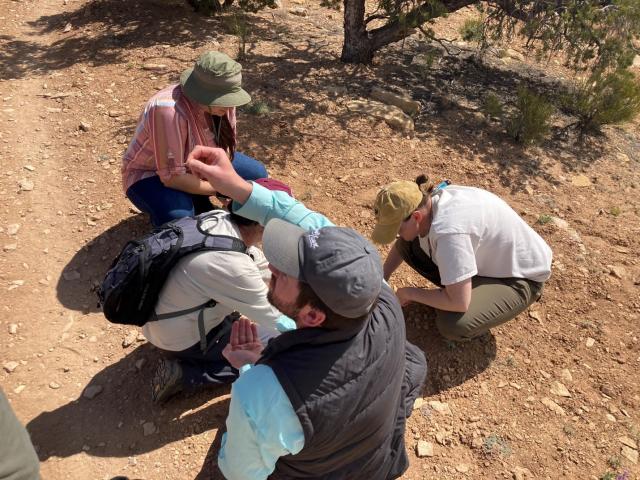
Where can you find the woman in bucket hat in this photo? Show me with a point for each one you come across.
(200, 110)
(488, 263)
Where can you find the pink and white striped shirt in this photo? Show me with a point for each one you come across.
(168, 129)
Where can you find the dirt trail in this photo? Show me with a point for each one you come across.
(72, 82)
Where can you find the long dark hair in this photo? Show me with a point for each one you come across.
(227, 137)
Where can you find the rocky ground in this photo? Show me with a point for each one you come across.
(553, 394)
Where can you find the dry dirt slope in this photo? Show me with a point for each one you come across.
(501, 412)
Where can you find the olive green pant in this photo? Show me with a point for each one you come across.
(18, 459)
(494, 301)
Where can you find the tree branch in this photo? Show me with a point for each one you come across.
(397, 29)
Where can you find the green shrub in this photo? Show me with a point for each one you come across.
(544, 219)
(604, 99)
(491, 106)
(472, 30)
(528, 124)
(258, 107)
(496, 445)
(615, 211)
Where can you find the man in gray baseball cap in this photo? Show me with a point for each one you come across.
(328, 399)
(340, 266)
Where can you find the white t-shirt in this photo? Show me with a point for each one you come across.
(474, 232)
(237, 281)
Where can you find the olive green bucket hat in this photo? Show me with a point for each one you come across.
(215, 80)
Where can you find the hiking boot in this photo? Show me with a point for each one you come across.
(167, 381)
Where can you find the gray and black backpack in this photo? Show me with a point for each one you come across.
(131, 287)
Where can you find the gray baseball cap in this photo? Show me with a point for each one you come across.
(340, 265)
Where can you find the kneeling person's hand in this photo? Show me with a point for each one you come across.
(244, 346)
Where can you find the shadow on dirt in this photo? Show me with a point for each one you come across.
(450, 363)
(113, 424)
(76, 286)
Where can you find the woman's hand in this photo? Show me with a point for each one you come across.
(405, 295)
(244, 347)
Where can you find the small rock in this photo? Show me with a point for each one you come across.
(424, 449)
(553, 406)
(440, 407)
(391, 114)
(418, 403)
(19, 389)
(84, 126)
(13, 229)
(31, 168)
(404, 102)
(520, 473)
(580, 181)
(629, 442)
(608, 391)
(10, 366)
(13, 329)
(92, 391)
(590, 342)
(10, 247)
(25, 185)
(559, 389)
(618, 271)
(115, 113)
(511, 53)
(462, 468)
(149, 428)
(566, 375)
(54, 385)
(611, 418)
(441, 438)
(630, 454)
(299, 11)
(130, 338)
(67, 28)
(154, 67)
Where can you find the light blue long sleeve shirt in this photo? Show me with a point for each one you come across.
(262, 425)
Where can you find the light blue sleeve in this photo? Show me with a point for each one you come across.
(261, 426)
(285, 324)
(264, 205)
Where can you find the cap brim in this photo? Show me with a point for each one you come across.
(280, 243)
(384, 234)
(202, 96)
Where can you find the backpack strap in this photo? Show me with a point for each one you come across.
(163, 316)
(224, 243)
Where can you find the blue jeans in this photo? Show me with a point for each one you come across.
(164, 204)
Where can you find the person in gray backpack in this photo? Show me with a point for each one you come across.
(236, 282)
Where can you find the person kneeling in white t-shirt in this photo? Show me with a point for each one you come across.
(489, 264)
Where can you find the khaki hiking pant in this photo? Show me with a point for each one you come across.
(494, 301)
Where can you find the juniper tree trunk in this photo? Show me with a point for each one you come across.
(357, 46)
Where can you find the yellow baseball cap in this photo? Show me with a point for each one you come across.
(394, 203)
